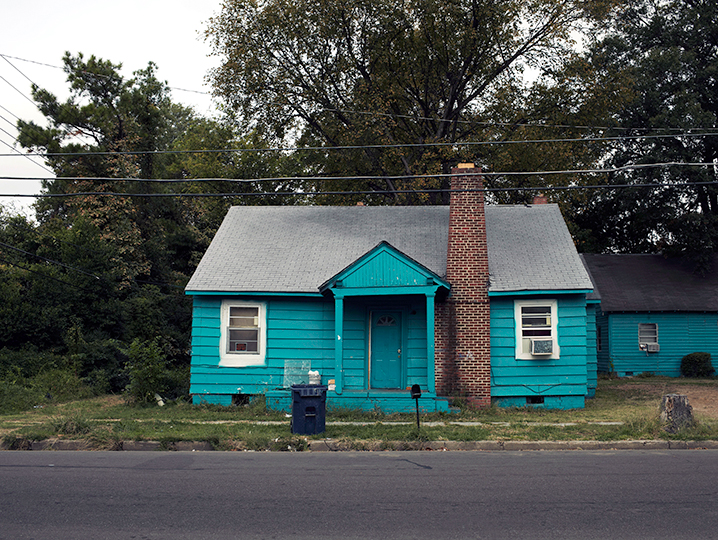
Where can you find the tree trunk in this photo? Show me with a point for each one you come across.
(676, 413)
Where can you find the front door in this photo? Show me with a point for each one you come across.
(385, 349)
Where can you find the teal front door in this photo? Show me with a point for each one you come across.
(385, 349)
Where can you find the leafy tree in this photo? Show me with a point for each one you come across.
(666, 56)
(374, 73)
(235, 172)
(94, 262)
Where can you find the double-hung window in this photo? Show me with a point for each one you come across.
(648, 337)
(536, 336)
(242, 341)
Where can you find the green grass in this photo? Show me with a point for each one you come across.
(105, 421)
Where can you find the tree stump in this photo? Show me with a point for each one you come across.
(676, 412)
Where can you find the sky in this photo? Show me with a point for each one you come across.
(37, 34)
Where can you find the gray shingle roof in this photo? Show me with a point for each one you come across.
(531, 249)
(288, 249)
(297, 248)
(651, 283)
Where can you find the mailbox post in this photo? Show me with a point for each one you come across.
(416, 394)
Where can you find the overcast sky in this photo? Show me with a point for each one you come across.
(133, 33)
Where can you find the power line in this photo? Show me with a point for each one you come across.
(378, 114)
(30, 158)
(624, 168)
(43, 274)
(18, 90)
(65, 130)
(369, 146)
(48, 260)
(502, 124)
(363, 192)
(6, 56)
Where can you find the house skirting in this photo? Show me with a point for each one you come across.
(385, 401)
(541, 402)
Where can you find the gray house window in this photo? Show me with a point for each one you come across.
(648, 337)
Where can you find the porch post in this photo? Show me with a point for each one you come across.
(430, 342)
(338, 342)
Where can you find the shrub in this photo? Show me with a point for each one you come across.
(176, 383)
(697, 364)
(59, 385)
(16, 398)
(146, 368)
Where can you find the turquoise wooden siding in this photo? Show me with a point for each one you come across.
(513, 380)
(603, 356)
(591, 353)
(384, 268)
(355, 345)
(296, 330)
(302, 329)
(678, 334)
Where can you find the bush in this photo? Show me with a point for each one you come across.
(16, 398)
(60, 385)
(176, 383)
(146, 368)
(697, 364)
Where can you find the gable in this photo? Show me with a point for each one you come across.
(384, 266)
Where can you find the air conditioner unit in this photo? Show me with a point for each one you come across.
(653, 347)
(541, 347)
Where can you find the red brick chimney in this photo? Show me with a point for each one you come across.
(540, 198)
(463, 356)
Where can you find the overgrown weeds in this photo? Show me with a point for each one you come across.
(623, 409)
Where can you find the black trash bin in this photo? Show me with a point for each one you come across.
(309, 406)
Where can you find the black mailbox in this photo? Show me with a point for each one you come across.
(416, 394)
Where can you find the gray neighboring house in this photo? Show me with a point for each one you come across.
(653, 311)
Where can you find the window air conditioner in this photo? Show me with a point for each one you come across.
(653, 347)
(541, 347)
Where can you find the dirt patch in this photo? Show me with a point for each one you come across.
(703, 398)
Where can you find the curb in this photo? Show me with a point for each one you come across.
(494, 446)
(329, 445)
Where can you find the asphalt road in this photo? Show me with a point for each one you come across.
(387, 495)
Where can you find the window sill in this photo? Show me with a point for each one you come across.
(247, 361)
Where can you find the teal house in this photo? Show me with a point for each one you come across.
(652, 312)
(489, 303)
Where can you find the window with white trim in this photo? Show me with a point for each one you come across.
(243, 334)
(536, 336)
(648, 337)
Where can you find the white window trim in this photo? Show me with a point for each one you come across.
(520, 354)
(648, 345)
(230, 359)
